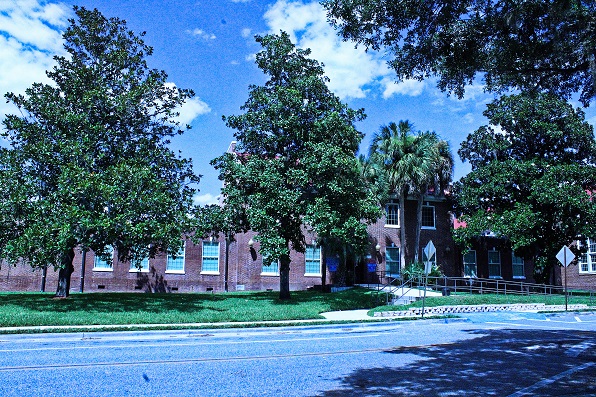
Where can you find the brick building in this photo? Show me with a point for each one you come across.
(210, 266)
(581, 273)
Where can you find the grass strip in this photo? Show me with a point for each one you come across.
(39, 309)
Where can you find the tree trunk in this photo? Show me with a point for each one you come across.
(418, 226)
(284, 278)
(342, 269)
(402, 229)
(64, 274)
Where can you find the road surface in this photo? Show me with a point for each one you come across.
(502, 354)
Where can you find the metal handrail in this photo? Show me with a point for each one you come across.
(388, 288)
(476, 285)
(500, 286)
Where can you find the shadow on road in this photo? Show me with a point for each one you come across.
(497, 363)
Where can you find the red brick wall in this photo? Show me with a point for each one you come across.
(577, 280)
(244, 264)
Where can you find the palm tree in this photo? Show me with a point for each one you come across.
(402, 156)
(439, 176)
(411, 163)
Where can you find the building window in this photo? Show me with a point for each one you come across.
(428, 217)
(587, 261)
(175, 263)
(269, 267)
(517, 265)
(210, 257)
(470, 267)
(494, 264)
(104, 265)
(392, 213)
(312, 264)
(392, 268)
(143, 266)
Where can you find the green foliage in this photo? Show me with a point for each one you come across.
(533, 44)
(295, 163)
(531, 178)
(408, 164)
(415, 270)
(89, 163)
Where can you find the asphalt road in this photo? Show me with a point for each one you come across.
(497, 354)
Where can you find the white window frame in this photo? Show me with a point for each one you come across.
(392, 221)
(104, 265)
(314, 259)
(587, 262)
(499, 263)
(519, 262)
(271, 270)
(180, 255)
(434, 226)
(211, 272)
(470, 265)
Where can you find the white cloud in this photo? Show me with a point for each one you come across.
(205, 199)
(191, 109)
(241, 1)
(408, 87)
(30, 35)
(469, 118)
(34, 23)
(201, 34)
(246, 32)
(353, 71)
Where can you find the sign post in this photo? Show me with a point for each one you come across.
(429, 253)
(565, 256)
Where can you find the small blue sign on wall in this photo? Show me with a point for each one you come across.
(332, 263)
(372, 267)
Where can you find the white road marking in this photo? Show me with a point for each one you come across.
(145, 345)
(546, 382)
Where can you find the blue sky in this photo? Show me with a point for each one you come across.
(209, 46)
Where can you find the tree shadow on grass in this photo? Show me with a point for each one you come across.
(111, 302)
(498, 363)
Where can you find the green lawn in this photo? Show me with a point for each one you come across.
(38, 309)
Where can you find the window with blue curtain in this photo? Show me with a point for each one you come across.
(210, 257)
(175, 263)
(312, 265)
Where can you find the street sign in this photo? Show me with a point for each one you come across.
(429, 252)
(565, 256)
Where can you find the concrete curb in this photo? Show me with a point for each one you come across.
(445, 310)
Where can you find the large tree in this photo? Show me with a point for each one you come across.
(534, 44)
(295, 166)
(532, 180)
(88, 165)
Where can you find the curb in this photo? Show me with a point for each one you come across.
(514, 307)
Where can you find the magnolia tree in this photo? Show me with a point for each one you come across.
(88, 164)
(532, 180)
(295, 166)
